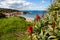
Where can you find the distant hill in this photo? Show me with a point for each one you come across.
(5, 12)
(2, 10)
(8, 10)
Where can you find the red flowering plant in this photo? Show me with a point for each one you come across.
(37, 17)
(43, 15)
(53, 25)
(30, 30)
(43, 28)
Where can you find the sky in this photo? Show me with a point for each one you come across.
(25, 4)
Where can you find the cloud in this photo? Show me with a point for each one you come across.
(16, 4)
(20, 5)
(1, 0)
(43, 1)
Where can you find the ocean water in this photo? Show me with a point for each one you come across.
(32, 14)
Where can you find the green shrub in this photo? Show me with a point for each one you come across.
(2, 15)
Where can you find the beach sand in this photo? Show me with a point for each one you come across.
(29, 19)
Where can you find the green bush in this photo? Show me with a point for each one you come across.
(2, 15)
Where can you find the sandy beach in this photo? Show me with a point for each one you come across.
(29, 19)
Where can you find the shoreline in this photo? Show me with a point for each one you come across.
(28, 19)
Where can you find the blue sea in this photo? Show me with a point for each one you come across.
(31, 14)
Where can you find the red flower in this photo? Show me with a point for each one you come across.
(29, 29)
(37, 17)
(43, 15)
(53, 24)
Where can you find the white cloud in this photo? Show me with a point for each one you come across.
(14, 3)
(20, 5)
(43, 1)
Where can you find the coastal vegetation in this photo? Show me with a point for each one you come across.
(12, 28)
(48, 27)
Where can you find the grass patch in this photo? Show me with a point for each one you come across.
(12, 25)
